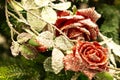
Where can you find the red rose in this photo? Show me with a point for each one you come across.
(79, 26)
(88, 57)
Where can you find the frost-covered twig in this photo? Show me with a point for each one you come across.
(44, 21)
(8, 22)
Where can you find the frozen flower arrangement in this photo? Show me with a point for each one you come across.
(72, 37)
(87, 57)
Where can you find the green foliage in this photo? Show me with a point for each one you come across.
(10, 71)
(21, 69)
(111, 18)
(103, 76)
(82, 77)
(13, 72)
(61, 76)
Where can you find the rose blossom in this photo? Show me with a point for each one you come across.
(79, 26)
(87, 57)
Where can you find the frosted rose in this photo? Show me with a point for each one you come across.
(79, 26)
(87, 57)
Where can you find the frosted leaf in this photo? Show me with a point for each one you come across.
(62, 6)
(62, 43)
(23, 37)
(47, 35)
(15, 48)
(47, 64)
(46, 38)
(114, 47)
(112, 59)
(57, 60)
(29, 4)
(111, 44)
(28, 51)
(35, 22)
(42, 3)
(51, 16)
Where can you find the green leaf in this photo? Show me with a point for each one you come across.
(46, 38)
(62, 6)
(62, 43)
(57, 60)
(15, 48)
(47, 64)
(28, 51)
(23, 37)
(74, 9)
(42, 3)
(49, 15)
(35, 22)
(103, 76)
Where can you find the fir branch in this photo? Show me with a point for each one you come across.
(18, 71)
(11, 71)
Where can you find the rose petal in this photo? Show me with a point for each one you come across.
(89, 73)
(72, 63)
(89, 13)
(63, 13)
(91, 24)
